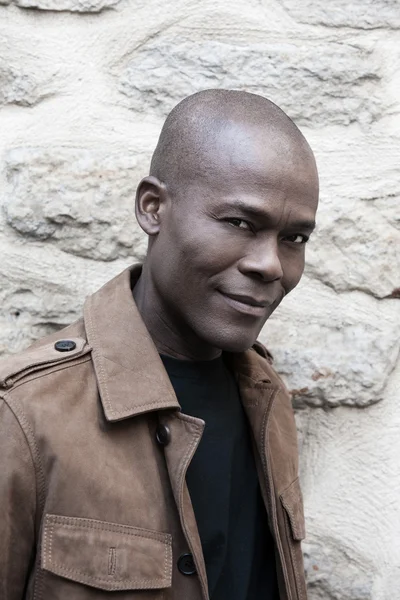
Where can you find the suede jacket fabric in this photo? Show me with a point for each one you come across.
(94, 452)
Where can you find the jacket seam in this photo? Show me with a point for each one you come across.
(136, 406)
(84, 523)
(40, 484)
(19, 419)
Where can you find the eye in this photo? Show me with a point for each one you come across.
(239, 223)
(297, 238)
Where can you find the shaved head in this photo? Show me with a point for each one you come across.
(228, 206)
(204, 130)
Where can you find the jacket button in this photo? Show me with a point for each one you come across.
(163, 435)
(65, 345)
(186, 564)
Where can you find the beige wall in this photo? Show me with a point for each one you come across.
(84, 88)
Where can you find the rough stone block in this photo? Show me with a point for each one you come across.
(315, 83)
(360, 14)
(42, 291)
(356, 247)
(82, 6)
(356, 164)
(334, 349)
(335, 571)
(18, 86)
(80, 200)
(28, 73)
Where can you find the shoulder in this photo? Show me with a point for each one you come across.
(59, 350)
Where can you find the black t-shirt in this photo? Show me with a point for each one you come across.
(223, 484)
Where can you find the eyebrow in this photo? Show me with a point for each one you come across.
(248, 209)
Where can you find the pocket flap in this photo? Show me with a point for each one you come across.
(292, 501)
(106, 555)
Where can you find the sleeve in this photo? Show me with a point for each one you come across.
(17, 506)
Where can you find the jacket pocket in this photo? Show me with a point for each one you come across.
(292, 503)
(107, 556)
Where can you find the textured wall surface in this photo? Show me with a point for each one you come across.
(84, 88)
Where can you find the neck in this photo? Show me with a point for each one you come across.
(170, 334)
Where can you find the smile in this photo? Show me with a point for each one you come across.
(245, 304)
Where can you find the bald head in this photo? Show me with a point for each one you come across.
(228, 207)
(214, 129)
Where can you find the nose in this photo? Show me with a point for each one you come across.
(263, 261)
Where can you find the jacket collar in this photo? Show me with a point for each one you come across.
(130, 374)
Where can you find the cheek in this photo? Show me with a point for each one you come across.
(293, 267)
(182, 260)
(205, 249)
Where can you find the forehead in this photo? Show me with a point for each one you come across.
(264, 170)
(244, 154)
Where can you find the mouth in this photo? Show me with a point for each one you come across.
(246, 304)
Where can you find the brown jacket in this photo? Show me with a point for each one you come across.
(94, 452)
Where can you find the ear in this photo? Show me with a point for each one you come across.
(151, 195)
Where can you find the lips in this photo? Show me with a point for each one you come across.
(247, 300)
(246, 304)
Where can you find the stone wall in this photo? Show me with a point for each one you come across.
(84, 88)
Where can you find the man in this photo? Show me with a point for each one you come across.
(149, 449)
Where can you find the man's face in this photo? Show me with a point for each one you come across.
(231, 243)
